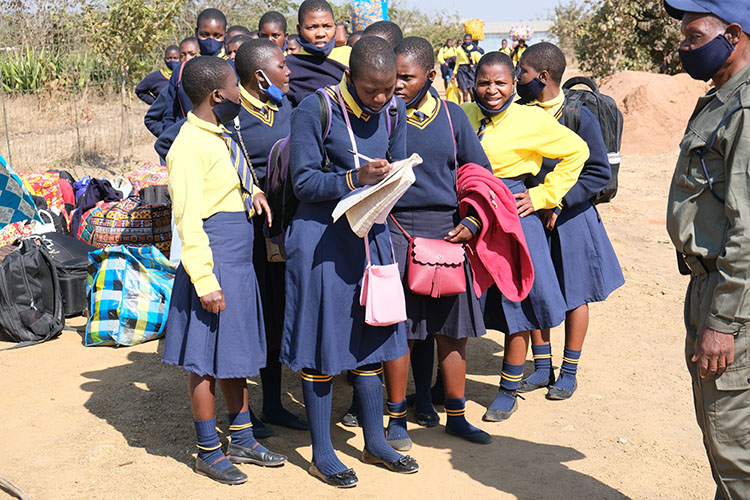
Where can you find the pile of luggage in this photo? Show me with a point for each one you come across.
(92, 247)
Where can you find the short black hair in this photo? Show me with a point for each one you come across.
(202, 75)
(469, 35)
(546, 56)
(240, 38)
(252, 56)
(418, 50)
(272, 17)
(211, 15)
(387, 30)
(242, 30)
(171, 48)
(353, 37)
(294, 37)
(495, 58)
(371, 54)
(309, 6)
(190, 39)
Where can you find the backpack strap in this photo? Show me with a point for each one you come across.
(177, 96)
(572, 111)
(581, 80)
(391, 125)
(709, 145)
(325, 113)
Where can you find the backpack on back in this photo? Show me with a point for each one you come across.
(610, 120)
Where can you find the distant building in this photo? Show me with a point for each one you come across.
(495, 32)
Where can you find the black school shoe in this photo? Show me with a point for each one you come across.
(493, 415)
(557, 394)
(528, 386)
(428, 419)
(231, 475)
(346, 479)
(294, 422)
(350, 420)
(240, 455)
(404, 465)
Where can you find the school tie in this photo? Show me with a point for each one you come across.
(420, 116)
(482, 126)
(244, 169)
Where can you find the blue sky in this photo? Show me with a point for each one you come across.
(492, 10)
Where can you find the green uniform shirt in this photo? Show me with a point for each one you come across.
(697, 222)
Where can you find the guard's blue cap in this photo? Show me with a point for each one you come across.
(731, 11)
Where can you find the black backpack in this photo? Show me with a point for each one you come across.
(610, 119)
(31, 309)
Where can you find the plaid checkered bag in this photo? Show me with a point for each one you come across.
(129, 289)
(133, 222)
(15, 200)
(148, 174)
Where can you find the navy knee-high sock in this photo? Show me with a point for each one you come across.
(542, 364)
(422, 361)
(509, 382)
(369, 389)
(316, 390)
(397, 421)
(209, 446)
(241, 431)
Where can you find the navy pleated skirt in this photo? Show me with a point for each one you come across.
(465, 77)
(230, 344)
(586, 265)
(545, 306)
(324, 326)
(459, 316)
(271, 282)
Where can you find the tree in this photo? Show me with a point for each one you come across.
(616, 35)
(123, 33)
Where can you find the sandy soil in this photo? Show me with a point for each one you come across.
(82, 422)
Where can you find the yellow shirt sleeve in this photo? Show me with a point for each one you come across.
(555, 141)
(186, 179)
(441, 56)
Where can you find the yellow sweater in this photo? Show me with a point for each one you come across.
(202, 182)
(444, 53)
(519, 138)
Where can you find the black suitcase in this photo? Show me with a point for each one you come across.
(71, 257)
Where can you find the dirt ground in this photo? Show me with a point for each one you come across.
(114, 423)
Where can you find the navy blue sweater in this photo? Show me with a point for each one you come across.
(154, 119)
(148, 89)
(596, 171)
(430, 137)
(311, 183)
(310, 73)
(167, 137)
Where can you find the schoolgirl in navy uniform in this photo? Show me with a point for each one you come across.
(586, 264)
(215, 326)
(516, 138)
(148, 89)
(429, 209)
(325, 331)
(265, 118)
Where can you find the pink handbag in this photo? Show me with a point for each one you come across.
(382, 294)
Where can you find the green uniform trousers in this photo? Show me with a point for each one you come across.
(722, 404)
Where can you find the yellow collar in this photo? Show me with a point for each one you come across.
(349, 100)
(203, 124)
(248, 99)
(553, 105)
(427, 108)
(166, 73)
(338, 54)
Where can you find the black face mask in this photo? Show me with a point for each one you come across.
(704, 62)
(530, 91)
(227, 110)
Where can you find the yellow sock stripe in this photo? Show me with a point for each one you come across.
(397, 415)
(316, 378)
(571, 361)
(543, 356)
(512, 378)
(368, 373)
(240, 427)
(456, 413)
(209, 449)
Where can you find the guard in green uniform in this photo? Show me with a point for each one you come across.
(708, 219)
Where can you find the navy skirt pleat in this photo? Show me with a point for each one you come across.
(324, 326)
(545, 306)
(230, 344)
(459, 316)
(586, 264)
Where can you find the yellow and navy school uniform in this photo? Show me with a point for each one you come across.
(148, 89)
(517, 53)
(311, 72)
(429, 209)
(586, 264)
(262, 124)
(213, 224)
(325, 329)
(467, 57)
(507, 51)
(516, 141)
(447, 59)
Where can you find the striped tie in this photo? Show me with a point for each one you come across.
(482, 126)
(244, 169)
(420, 116)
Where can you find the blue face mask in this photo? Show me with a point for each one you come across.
(530, 91)
(274, 93)
(361, 105)
(492, 112)
(210, 46)
(421, 94)
(172, 65)
(704, 62)
(227, 110)
(314, 50)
